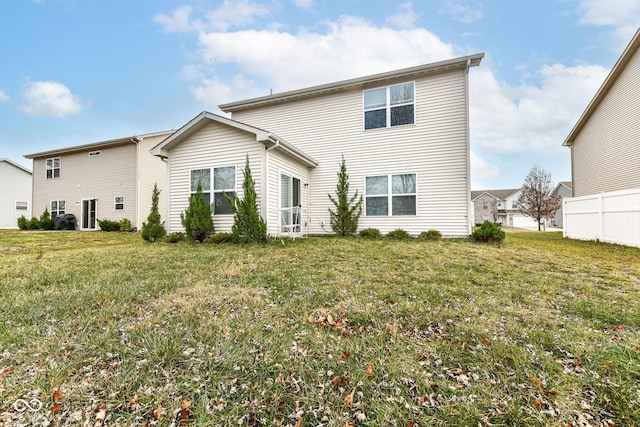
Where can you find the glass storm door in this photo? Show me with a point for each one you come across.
(290, 198)
(89, 214)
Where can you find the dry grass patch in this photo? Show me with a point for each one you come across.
(105, 329)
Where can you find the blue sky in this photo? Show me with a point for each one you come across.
(80, 71)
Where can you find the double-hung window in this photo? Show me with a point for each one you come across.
(389, 106)
(57, 208)
(119, 203)
(390, 195)
(53, 167)
(202, 177)
(224, 182)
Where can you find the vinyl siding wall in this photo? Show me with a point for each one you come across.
(216, 145)
(606, 153)
(103, 177)
(151, 169)
(435, 148)
(16, 187)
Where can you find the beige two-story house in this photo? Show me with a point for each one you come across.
(404, 136)
(103, 180)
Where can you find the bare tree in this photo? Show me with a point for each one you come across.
(493, 209)
(536, 200)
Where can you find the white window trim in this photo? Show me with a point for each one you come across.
(57, 210)
(115, 203)
(225, 190)
(390, 195)
(53, 168)
(193, 192)
(389, 106)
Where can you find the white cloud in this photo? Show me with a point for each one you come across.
(50, 99)
(177, 22)
(404, 18)
(350, 47)
(481, 168)
(3, 96)
(303, 4)
(622, 16)
(459, 12)
(531, 117)
(237, 13)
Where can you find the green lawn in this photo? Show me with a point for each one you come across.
(105, 329)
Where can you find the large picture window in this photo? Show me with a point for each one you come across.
(215, 187)
(389, 106)
(53, 167)
(387, 195)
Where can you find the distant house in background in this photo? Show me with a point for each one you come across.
(501, 207)
(15, 193)
(404, 135)
(605, 158)
(104, 180)
(564, 190)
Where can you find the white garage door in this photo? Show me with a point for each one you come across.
(525, 222)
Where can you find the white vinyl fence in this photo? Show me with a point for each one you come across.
(612, 217)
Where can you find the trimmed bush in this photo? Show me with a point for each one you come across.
(399, 234)
(33, 224)
(430, 235)
(125, 225)
(175, 237)
(372, 233)
(488, 232)
(222, 238)
(108, 225)
(23, 222)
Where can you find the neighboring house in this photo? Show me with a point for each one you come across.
(605, 142)
(404, 136)
(501, 207)
(104, 180)
(15, 195)
(563, 189)
(605, 158)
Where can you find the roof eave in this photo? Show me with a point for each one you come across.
(450, 64)
(615, 72)
(85, 147)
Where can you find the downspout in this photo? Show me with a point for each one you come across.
(468, 143)
(266, 183)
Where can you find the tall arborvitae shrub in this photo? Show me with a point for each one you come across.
(248, 225)
(344, 219)
(196, 219)
(153, 229)
(46, 222)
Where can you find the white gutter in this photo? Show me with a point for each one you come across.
(265, 184)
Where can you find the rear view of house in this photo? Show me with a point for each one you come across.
(15, 195)
(104, 180)
(404, 136)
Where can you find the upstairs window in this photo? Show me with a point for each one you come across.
(514, 204)
(389, 106)
(485, 205)
(390, 195)
(53, 168)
